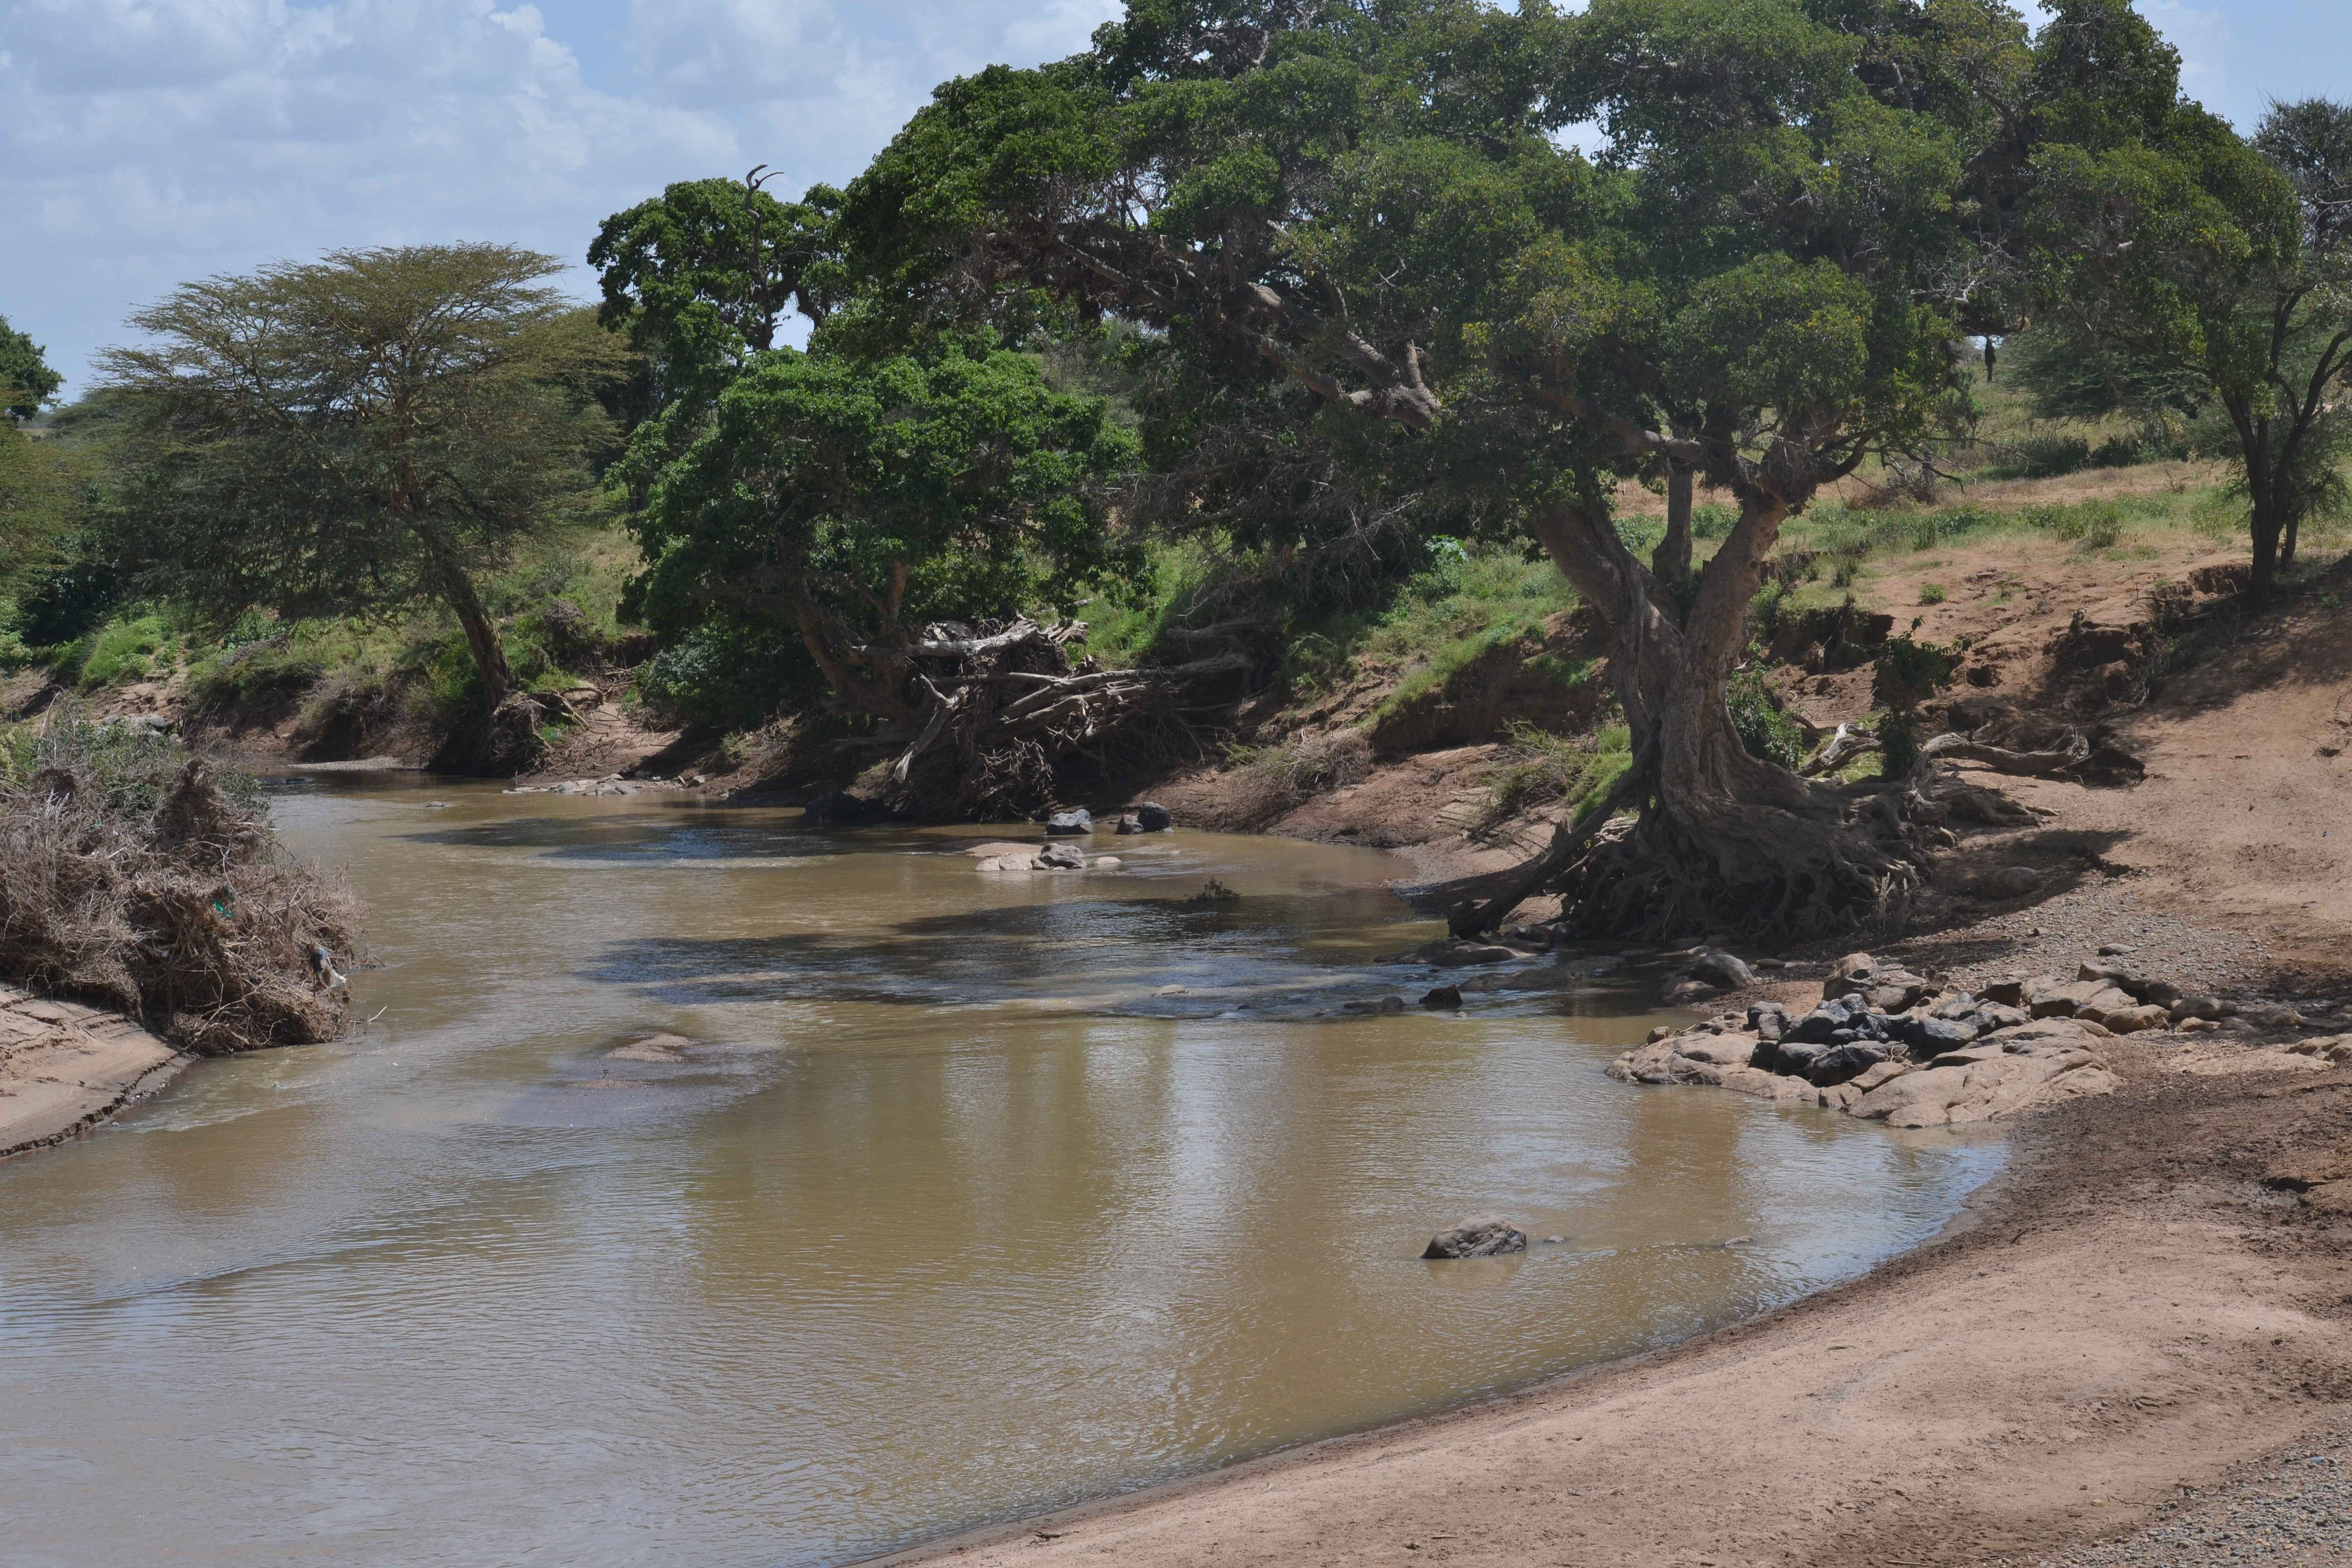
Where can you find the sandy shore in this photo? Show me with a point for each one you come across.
(2128, 1310)
(65, 1067)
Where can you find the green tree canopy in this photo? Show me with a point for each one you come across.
(1756, 282)
(699, 279)
(27, 383)
(860, 503)
(362, 433)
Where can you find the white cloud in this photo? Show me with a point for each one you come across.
(144, 142)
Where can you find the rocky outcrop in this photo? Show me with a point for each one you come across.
(1483, 1237)
(2008, 1073)
(1885, 1044)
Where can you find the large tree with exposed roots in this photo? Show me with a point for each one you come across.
(1757, 283)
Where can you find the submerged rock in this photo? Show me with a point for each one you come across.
(1483, 1237)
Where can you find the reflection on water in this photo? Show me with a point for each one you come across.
(983, 1194)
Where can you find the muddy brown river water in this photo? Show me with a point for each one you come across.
(981, 1193)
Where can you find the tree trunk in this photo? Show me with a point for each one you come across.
(1670, 563)
(1727, 840)
(2267, 527)
(481, 640)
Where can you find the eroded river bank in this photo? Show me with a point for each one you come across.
(975, 1195)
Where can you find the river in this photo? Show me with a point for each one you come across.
(980, 1193)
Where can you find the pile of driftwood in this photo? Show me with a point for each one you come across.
(1002, 707)
(131, 878)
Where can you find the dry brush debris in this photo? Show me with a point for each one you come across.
(131, 875)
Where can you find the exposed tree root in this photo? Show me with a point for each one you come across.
(1831, 859)
(1001, 709)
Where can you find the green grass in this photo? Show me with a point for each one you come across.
(1539, 768)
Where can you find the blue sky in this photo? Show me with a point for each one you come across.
(147, 141)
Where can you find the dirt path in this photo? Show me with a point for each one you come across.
(2131, 1311)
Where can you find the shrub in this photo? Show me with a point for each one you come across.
(1764, 729)
(1277, 777)
(120, 650)
(1933, 593)
(1542, 768)
(2046, 458)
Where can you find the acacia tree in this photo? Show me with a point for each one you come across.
(362, 435)
(2192, 254)
(1758, 283)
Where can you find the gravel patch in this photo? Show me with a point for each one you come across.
(2296, 1511)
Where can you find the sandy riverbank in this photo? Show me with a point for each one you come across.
(65, 1067)
(2128, 1310)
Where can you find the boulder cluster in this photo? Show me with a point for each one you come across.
(1887, 1045)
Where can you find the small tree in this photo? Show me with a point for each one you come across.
(858, 502)
(362, 434)
(2187, 255)
(28, 384)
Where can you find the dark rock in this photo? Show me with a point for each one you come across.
(2008, 993)
(1061, 857)
(1153, 817)
(1069, 824)
(1934, 1037)
(1796, 1057)
(1817, 1027)
(1991, 1016)
(1442, 996)
(1842, 1062)
(1484, 1238)
(1385, 1005)
(1955, 1008)
(1128, 826)
(841, 809)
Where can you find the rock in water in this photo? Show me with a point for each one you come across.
(1484, 1238)
(1721, 970)
(1153, 817)
(1443, 997)
(1069, 824)
(1061, 857)
(1128, 826)
(840, 809)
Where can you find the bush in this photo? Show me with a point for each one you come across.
(1933, 593)
(729, 675)
(1277, 777)
(2046, 458)
(1543, 768)
(120, 651)
(1764, 729)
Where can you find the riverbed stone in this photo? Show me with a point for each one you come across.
(1153, 817)
(1448, 953)
(1721, 970)
(1840, 1063)
(1069, 824)
(1061, 857)
(1446, 997)
(1984, 1091)
(1487, 1236)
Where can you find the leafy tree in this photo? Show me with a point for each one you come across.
(362, 435)
(28, 384)
(699, 278)
(2177, 249)
(1756, 284)
(857, 503)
